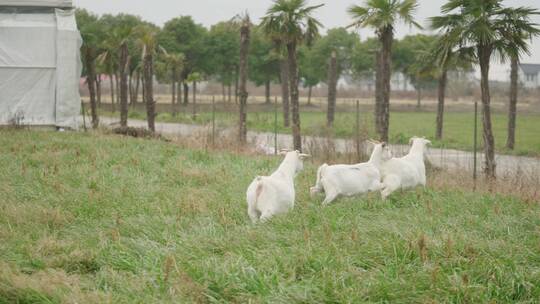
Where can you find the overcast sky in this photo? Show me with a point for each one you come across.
(332, 14)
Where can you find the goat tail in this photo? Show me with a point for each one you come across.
(320, 172)
(259, 189)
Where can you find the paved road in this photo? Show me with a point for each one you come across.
(507, 165)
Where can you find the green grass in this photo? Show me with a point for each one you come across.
(458, 127)
(94, 218)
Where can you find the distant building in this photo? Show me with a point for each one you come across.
(398, 82)
(529, 75)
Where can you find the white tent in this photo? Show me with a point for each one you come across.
(40, 64)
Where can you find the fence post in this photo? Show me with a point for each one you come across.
(275, 125)
(83, 115)
(358, 130)
(213, 120)
(475, 142)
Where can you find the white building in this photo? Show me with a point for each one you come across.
(39, 63)
(529, 75)
(398, 82)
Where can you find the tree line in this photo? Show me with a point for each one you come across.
(286, 47)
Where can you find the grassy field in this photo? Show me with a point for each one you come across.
(90, 218)
(458, 127)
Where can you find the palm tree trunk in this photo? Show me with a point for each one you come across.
(378, 92)
(117, 83)
(98, 89)
(130, 88)
(236, 80)
(489, 143)
(178, 92)
(136, 92)
(124, 70)
(284, 69)
(418, 97)
(510, 139)
(194, 102)
(440, 104)
(223, 93)
(149, 91)
(310, 90)
(186, 93)
(143, 87)
(244, 52)
(266, 91)
(90, 78)
(386, 60)
(111, 83)
(295, 103)
(332, 89)
(173, 87)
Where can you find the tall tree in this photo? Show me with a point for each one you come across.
(263, 67)
(486, 29)
(173, 65)
(382, 15)
(518, 32)
(92, 33)
(222, 45)
(411, 57)
(363, 60)
(291, 22)
(314, 60)
(183, 35)
(244, 51)
(444, 59)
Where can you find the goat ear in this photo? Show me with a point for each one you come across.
(428, 142)
(282, 152)
(303, 156)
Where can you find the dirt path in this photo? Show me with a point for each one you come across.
(507, 165)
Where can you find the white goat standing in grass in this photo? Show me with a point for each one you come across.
(405, 172)
(274, 194)
(354, 179)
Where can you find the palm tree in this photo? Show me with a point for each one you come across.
(147, 39)
(484, 28)
(382, 15)
(116, 60)
(91, 32)
(109, 63)
(291, 23)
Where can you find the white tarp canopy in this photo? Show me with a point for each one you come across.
(37, 3)
(40, 67)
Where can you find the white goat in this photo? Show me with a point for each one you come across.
(350, 180)
(274, 194)
(405, 172)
